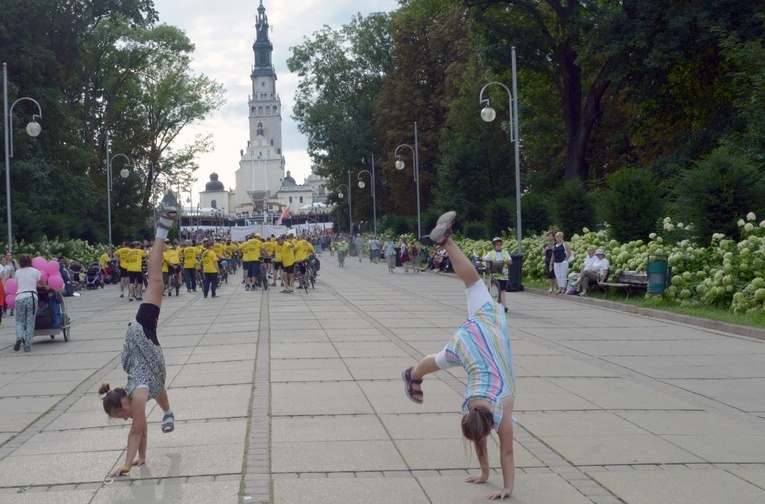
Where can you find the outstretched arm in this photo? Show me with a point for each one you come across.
(482, 453)
(136, 438)
(506, 455)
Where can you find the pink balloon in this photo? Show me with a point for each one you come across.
(52, 268)
(11, 287)
(10, 300)
(56, 282)
(44, 275)
(39, 263)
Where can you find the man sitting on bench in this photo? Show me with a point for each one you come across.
(591, 275)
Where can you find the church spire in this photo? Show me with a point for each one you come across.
(263, 48)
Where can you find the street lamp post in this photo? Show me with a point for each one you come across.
(488, 114)
(361, 185)
(124, 173)
(400, 166)
(33, 129)
(340, 195)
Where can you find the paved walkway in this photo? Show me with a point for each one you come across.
(298, 398)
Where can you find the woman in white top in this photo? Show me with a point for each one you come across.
(27, 278)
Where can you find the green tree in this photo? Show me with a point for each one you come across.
(563, 44)
(429, 55)
(341, 73)
(747, 62)
(632, 204)
(718, 190)
(682, 85)
(573, 208)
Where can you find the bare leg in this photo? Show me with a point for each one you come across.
(426, 366)
(463, 266)
(163, 400)
(156, 287)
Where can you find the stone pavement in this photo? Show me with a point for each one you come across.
(298, 398)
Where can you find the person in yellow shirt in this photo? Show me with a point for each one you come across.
(122, 260)
(228, 253)
(251, 250)
(135, 271)
(288, 262)
(268, 255)
(210, 269)
(302, 250)
(190, 254)
(278, 267)
(171, 262)
(104, 264)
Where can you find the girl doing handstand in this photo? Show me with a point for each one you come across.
(481, 345)
(144, 363)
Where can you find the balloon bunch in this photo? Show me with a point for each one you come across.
(50, 273)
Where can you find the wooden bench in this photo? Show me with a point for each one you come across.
(628, 280)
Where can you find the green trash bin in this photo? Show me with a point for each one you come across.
(657, 273)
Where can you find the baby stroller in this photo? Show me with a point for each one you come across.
(93, 278)
(52, 317)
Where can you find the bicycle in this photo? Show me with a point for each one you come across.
(492, 268)
(302, 278)
(173, 282)
(263, 273)
(313, 266)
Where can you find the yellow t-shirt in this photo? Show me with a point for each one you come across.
(135, 260)
(209, 261)
(288, 254)
(269, 247)
(218, 249)
(165, 266)
(228, 251)
(303, 249)
(173, 256)
(103, 261)
(251, 250)
(122, 255)
(190, 257)
(277, 252)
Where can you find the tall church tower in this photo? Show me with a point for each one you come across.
(261, 166)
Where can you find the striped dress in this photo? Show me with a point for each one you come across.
(481, 345)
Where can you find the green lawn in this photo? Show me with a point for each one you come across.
(659, 303)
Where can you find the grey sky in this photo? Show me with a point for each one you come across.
(223, 32)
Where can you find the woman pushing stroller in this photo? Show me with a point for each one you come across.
(481, 345)
(143, 361)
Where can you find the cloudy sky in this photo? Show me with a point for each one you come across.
(223, 32)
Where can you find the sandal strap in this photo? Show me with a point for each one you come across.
(410, 379)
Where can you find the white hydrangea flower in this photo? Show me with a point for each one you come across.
(740, 222)
(667, 220)
(750, 216)
(669, 227)
(585, 230)
(720, 236)
(653, 235)
(762, 224)
(680, 225)
(749, 226)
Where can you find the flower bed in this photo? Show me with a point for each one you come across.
(727, 273)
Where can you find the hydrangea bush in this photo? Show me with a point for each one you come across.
(55, 248)
(726, 273)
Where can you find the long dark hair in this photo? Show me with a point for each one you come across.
(25, 261)
(476, 425)
(112, 399)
